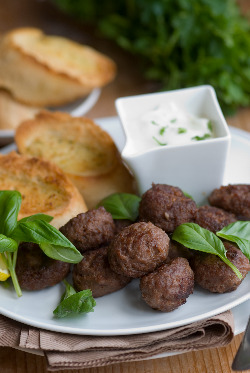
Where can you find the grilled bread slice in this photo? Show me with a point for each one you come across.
(77, 145)
(43, 186)
(12, 112)
(47, 70)
(84, 151)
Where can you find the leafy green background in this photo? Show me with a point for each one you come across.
(180, 43)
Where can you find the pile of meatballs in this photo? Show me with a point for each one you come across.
(118, 251)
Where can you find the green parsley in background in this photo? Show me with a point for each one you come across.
(180, 43)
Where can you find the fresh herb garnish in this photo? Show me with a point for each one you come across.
(154, 123)
(171, 41)
(34, 229)
(162, 130)
(199, 138)
(173, 120)
(53, 243)
(159, 142)
(122, 205)
(182, 130)
(188, 195)
(194, 237)
(238, 232)
(74, 303)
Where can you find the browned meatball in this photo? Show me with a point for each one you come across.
(90, 230)
(233, 198)
(213, 274)
(168, 286)
(138, 249)
(94, 273)
(35, 270)
(177, 250)
(166, 207)
(213, 218)
(120, 224)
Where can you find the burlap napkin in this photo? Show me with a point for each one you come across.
(67, 351)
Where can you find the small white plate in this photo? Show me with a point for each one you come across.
(124, 312)
(76, 109)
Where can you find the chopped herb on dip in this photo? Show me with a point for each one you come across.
(168, 124)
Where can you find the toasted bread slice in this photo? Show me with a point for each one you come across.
(43, 186)
(94, 189)
(12, 112)
(84, 151)
(50, 70)
(77, 145)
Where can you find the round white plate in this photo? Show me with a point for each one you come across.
(124, 312)
(76, 109)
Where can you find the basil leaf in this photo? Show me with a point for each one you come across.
(7, 244)
(44, 217)
(187, 195)
(78, 303)
(39, 231)
(69, 290)
(194, 237)
(65, 254)
(10, 203)
(122, 205)
(238, 232)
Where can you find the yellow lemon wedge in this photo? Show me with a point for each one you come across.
(4, 273)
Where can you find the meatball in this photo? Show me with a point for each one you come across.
(213, 218)
(138, 249)
(233, 198)
(120, 224)
(166, 207)
(168, 286)
(90, 230)
(213, 274)
(94, 273)
(177, 250)
(35, 270)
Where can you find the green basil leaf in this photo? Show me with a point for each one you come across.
(69, 290)
(65, 254)
(187, 195)
(10, 203)
(78, 303)
(44, 217)
(122, 205)
(7, 244)
(194, 237)
(238, 232)
(39, 231)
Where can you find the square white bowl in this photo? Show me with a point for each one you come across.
(198, 167)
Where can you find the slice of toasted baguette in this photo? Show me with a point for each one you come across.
(43, 186)
(77, 145)
(84, 151)
(47, 70)
(94, 189)
(12, 112)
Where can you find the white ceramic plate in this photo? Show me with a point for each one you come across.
(76, 108)
(124, 312)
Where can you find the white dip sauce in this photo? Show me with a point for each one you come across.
(167, 124)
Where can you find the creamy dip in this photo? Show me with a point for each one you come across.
(168, 124)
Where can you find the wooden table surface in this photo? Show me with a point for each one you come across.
(19, 13)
